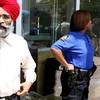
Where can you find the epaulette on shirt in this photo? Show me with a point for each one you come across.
(64, 37)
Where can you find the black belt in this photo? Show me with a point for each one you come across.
(82, 72)
(9, 97)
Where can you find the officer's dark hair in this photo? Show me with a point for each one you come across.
(79, 20)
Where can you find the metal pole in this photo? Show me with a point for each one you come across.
(77, 4)
(19, 20)
(56, 16)
(38, 26)
(53, 21)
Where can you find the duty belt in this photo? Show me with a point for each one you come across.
(82, 72)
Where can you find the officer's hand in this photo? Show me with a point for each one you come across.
(70, 67)
(24, 88)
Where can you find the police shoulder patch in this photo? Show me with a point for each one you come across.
(64, 37)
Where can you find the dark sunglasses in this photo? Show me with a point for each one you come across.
(5, 16)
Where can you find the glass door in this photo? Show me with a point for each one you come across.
(40, 19)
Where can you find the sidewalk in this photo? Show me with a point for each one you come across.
(94, 92)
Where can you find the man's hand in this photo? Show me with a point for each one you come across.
(24, 88)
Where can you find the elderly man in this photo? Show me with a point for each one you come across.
(14, 55)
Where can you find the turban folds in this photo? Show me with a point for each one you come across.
(11, 7)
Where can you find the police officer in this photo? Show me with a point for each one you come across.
(75, 52)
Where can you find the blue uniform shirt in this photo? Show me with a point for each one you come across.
(77, 48)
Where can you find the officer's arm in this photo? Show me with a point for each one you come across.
(58, 54)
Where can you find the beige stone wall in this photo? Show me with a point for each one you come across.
(43, 54)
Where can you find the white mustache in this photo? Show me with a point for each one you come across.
(4, 27)
(5, 30)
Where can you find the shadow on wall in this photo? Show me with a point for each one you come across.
(51, 65)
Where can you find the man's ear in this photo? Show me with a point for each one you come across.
(12, 23)
(89, 25)
(11, 28)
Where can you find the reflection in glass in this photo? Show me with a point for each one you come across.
(41, 17)
(25, 17)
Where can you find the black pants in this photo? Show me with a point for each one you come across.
(12, 97)
(74, 87)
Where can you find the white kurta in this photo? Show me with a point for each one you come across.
(14, 54)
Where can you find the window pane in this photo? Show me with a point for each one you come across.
(41, 18)
(25, 17)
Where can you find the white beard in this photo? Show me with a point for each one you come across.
(4, 32)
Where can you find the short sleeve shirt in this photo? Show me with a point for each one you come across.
(77, 48)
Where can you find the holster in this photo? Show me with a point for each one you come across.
(72, 78)
(93, 69)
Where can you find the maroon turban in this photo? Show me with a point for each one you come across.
(11, 7)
